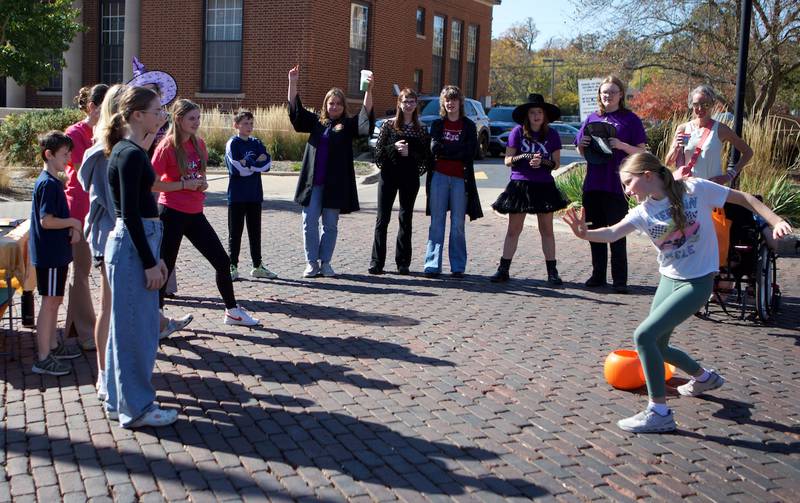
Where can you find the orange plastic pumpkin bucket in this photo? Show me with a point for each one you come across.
(623, 370)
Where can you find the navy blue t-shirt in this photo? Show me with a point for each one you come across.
(49, 247)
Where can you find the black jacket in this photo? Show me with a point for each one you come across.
(463, 151)
(340, 177)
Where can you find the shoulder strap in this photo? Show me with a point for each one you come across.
(699, 148)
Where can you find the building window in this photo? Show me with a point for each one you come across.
(222, 46)
(418, 80)
(55, 83)
(420, 21)
(455, 52)
(359, 26)
(112, 33)
(437, 70)
(472, 62)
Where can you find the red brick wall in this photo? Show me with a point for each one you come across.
(313, 33)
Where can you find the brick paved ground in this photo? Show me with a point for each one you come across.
(382, 388)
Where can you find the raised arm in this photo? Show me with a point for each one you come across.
(294, 75)
(780, 227)
(577, 222)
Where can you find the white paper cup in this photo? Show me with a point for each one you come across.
(364, 75)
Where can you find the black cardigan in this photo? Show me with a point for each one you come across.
(339, 191)
(387, 158)
(463, 151)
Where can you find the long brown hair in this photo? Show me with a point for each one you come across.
(134, 99)
(612, 79)
(527, 130)
(399, 117)
(179, 109)
(323, 116)
(643, 162)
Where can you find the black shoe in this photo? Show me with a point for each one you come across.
(594, 283)
(403, 270)
(621, 289)
(501, 276)
(554, 280)
(457, 274)
(431, 274)
(375, 270)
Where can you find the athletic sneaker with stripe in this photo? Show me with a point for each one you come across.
(238, 316)
(695, 387)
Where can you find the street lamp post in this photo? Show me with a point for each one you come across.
(741, 77)
(553, 62)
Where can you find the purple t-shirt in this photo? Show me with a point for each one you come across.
(605, 177)
(321, 158)
(522, 170)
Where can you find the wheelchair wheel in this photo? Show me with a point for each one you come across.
(767, 291)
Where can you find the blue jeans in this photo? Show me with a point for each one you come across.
(133, 332)
(319, 248)
(447, 192)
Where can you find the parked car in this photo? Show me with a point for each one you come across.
(502, 124)
(428, 107)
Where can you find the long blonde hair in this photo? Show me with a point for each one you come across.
(133, 99)
(642, 162)
(179, 109)
(324, 119)
(107, 109)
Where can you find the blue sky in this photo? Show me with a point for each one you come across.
(553, 18)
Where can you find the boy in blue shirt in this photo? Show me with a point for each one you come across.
(52, 234)
(246, 158)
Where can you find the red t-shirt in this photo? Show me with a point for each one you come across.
(451, 134)
(77, 199)
(165, 163)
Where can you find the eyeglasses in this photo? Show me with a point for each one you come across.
(703, 105)
(408, 102)
(609, 93)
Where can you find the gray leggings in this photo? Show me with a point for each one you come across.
(675, 300)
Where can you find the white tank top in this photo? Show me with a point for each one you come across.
(709, 162)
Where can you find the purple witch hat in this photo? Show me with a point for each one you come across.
(167, 88)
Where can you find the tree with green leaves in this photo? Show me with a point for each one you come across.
(33, 35)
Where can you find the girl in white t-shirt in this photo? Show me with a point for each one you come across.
(677, 217)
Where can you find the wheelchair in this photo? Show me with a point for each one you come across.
(749, 279)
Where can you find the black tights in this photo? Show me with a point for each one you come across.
(199, 232)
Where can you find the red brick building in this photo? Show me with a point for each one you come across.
(237, 52)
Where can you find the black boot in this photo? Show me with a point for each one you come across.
(501, 276)
(552, 273)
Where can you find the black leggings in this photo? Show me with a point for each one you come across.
(199, 232)
(237, 214)
(604, 209)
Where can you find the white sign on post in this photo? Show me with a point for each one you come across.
(587, 96)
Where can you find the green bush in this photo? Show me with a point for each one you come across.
(571, 184)
(215, 157)
(19, 144)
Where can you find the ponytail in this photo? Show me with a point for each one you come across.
(113, 132)
(642, 162)
(675, 191)
(133, 99)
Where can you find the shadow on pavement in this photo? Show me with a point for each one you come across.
(356, 347)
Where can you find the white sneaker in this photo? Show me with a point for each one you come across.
(312, 270)
(102, 389)
(695, 387)
(648, 421)
(238, 316)
(175, 325)
(156, 417)
(326, 270)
